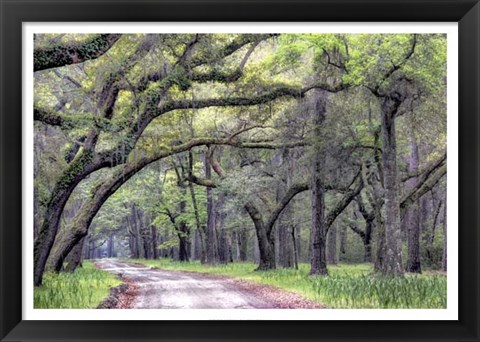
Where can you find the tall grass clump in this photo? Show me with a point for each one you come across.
(366, 291)
(85, 288)
(347, 286)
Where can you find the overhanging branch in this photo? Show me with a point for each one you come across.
(73, 53)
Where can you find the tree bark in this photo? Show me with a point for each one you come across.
(393, 239)
(318, 232)
(284, 223)
(332, 245)
(74, 259)
(412, 219)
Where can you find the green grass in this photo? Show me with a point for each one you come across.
(347, 286)
(86, 288)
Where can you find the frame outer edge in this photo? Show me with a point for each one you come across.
(469, 164)
(10, 171)
(11, 18)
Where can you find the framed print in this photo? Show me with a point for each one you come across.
(239, 171)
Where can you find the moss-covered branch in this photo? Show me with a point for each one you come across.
(275, 93)
(73, 53)
(68, 121)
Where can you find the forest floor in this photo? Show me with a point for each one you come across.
(152, 288)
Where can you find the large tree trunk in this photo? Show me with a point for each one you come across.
(81, 225)
(375, 197)
(393, 240)
(80, 167)
(284, 225)
(412, 218)
(318, 233)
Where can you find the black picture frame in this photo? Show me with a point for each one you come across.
(14, 12)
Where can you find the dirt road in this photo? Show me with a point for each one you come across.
(155, 289)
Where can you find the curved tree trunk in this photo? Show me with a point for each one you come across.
(80, 167)
(265, 245)
(81, 224)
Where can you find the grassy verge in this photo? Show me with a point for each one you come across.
(348, 286)
(86, 288)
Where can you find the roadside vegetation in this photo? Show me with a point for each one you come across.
(348, 286)
(86, 288)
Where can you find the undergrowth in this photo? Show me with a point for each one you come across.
(85, 288)
(347, 286)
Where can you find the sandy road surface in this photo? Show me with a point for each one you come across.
(184, 290)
